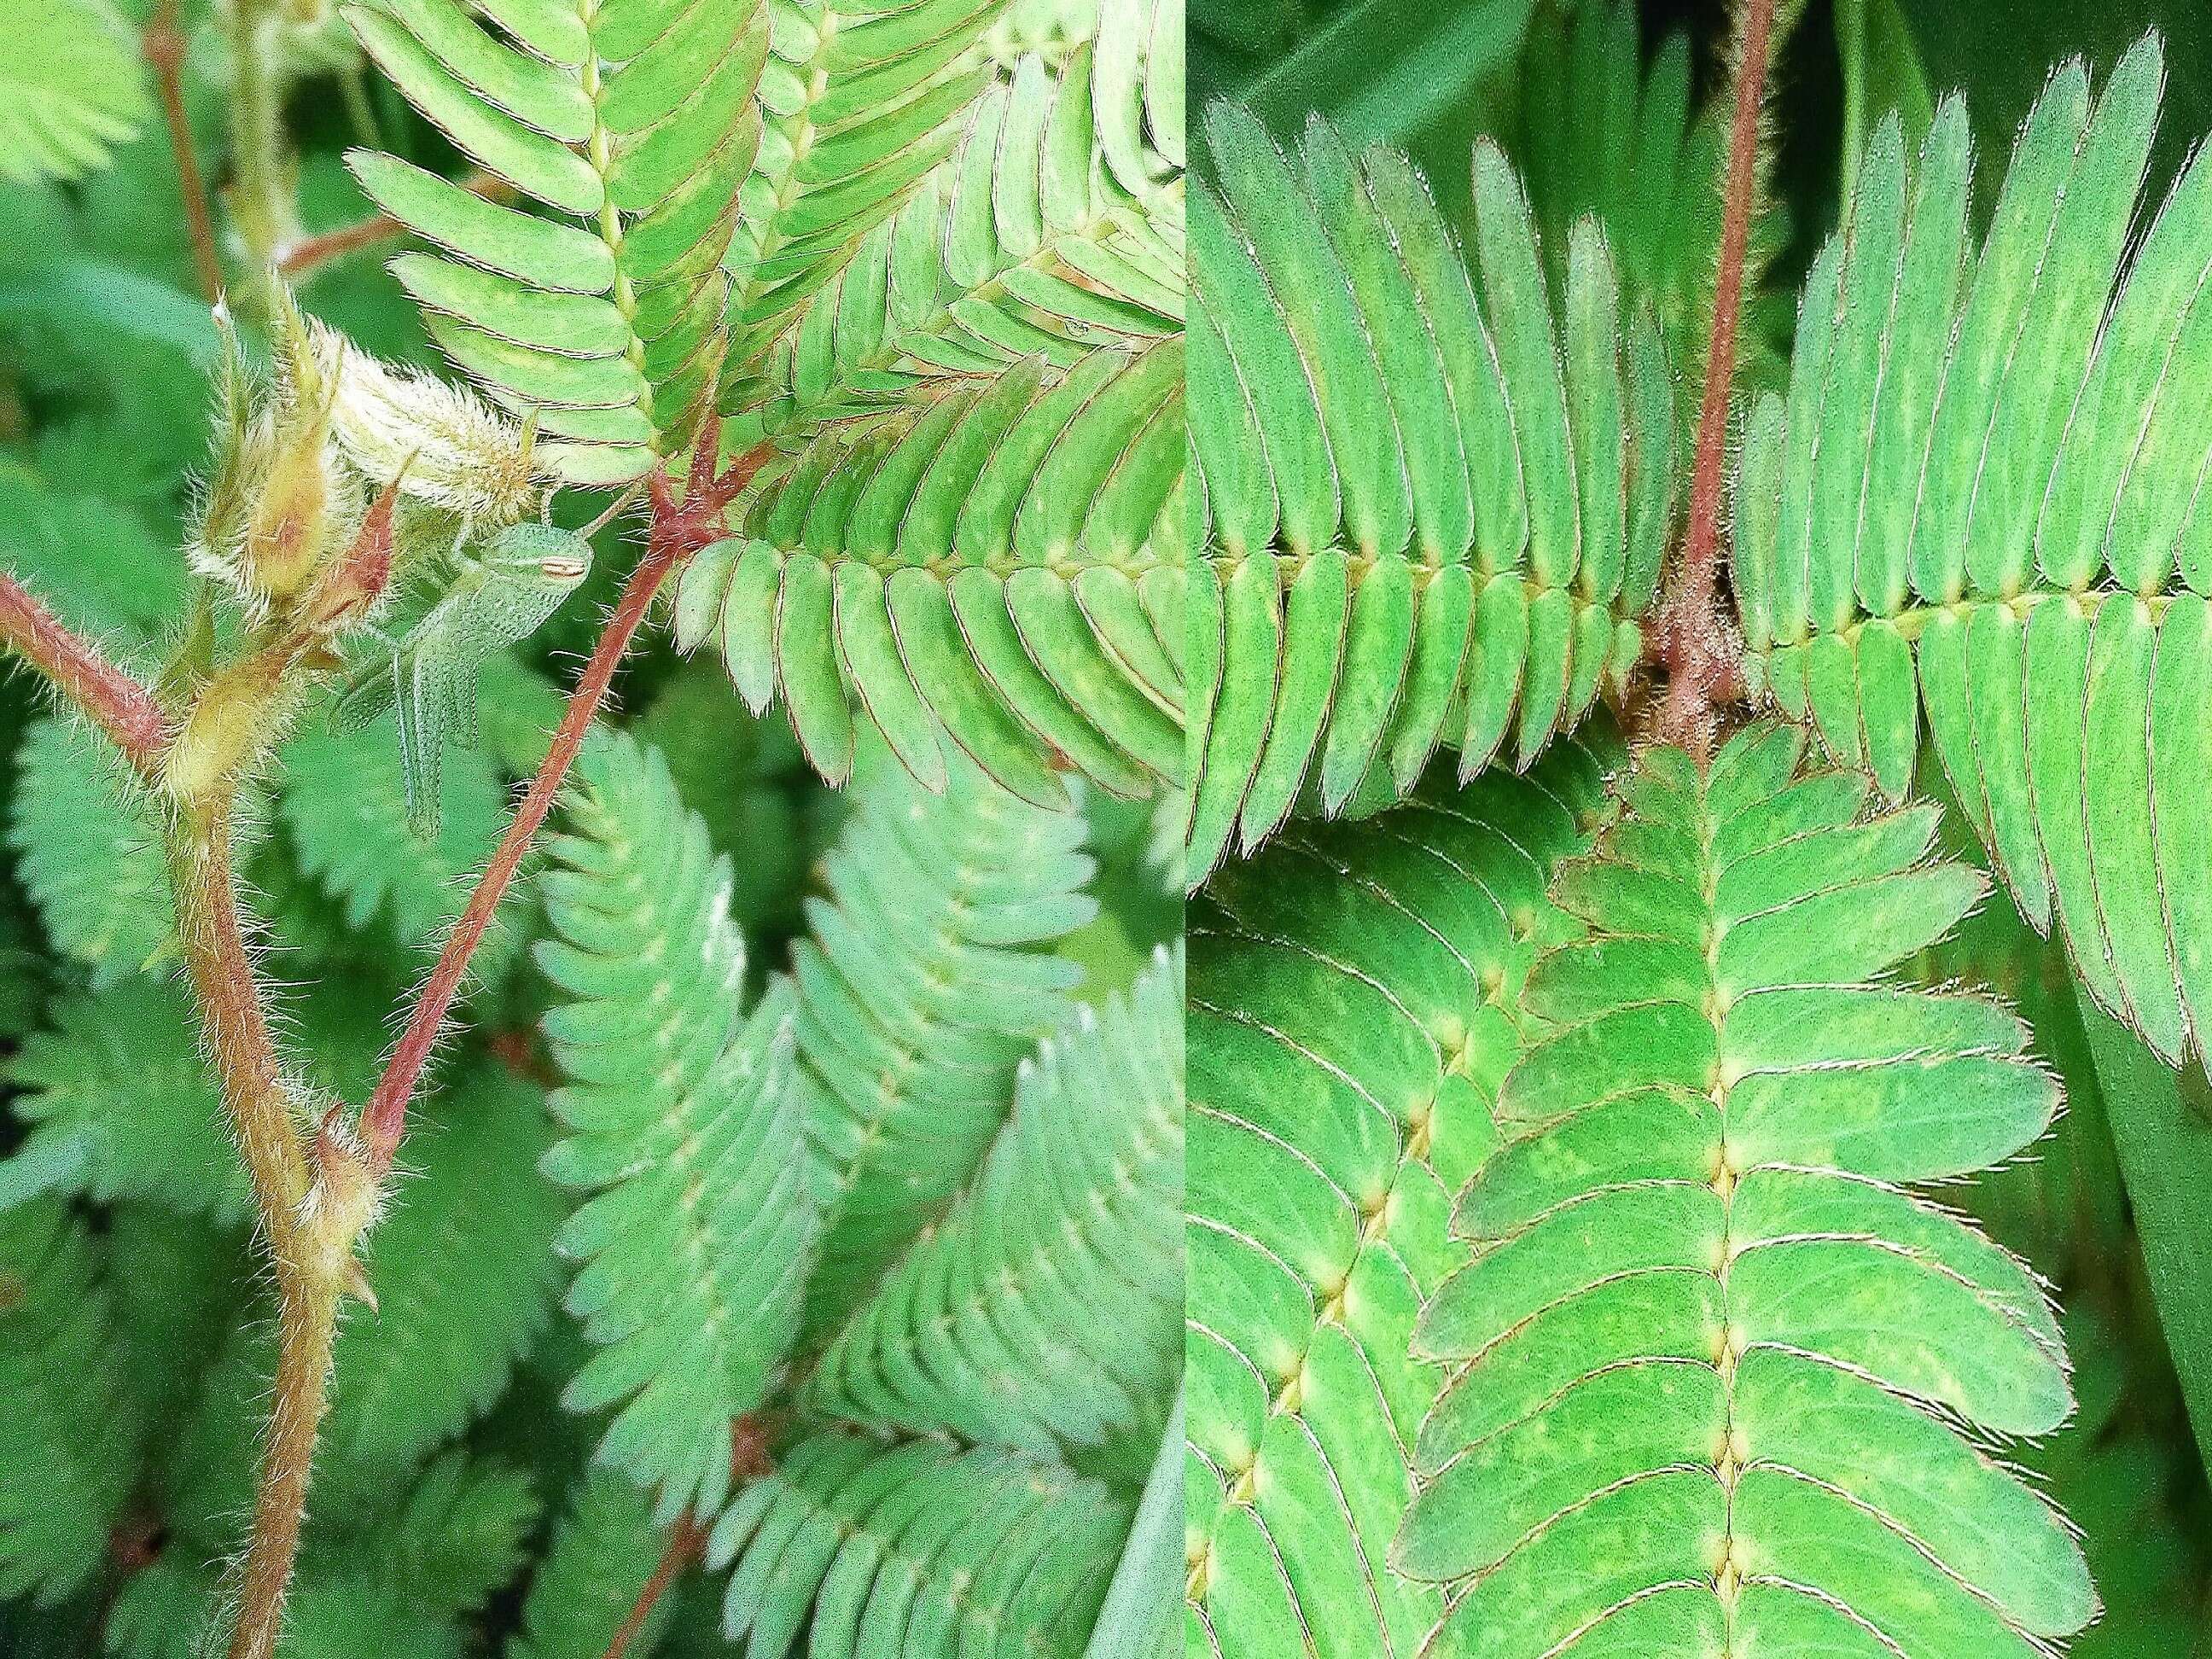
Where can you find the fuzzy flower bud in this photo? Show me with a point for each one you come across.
(242, 437)
(443, 444)
(289, 531)
(281, 501)
(286, 535)
(351, 586)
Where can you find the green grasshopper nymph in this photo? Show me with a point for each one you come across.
(505, 590)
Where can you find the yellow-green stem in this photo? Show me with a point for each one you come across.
(260, 201)
(307, 1299)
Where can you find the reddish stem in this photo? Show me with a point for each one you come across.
(305, 255)
(677, 530)
(748, 1461)
(163, 45)
(1699, 665)
(114, 702)
(308, 1322)
(233, 1018)
(685, 1541)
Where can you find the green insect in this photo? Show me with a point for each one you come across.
(506, 589)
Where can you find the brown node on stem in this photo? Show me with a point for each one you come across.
(748, 1449)
(1698, 650)
(1694, 639)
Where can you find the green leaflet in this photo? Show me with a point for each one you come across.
(125, 597)
(459, 1532)
(118, 1097)
(1354, 1003)
(921, 990)
(203, 1462)
(859, 105)
(637, 127)
(401, 1577)
(959, 310)
(1053, 228)
(975, 1331)
(919, 1549)
(68, 1459)
(1139, 1618)
(72, 87)
(2066, 1208)
(1430, 517)
(163, 1613)
(119, 1078)
(174, 1308)
(1711, 1346)
(984, 568)
(2139, 1551)
(696, 1225)
(737, 773)
(2011, 536)
(1606, 129)
(2161, 1127)
(901, 1541)
(344, 807)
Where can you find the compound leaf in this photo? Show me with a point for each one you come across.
(1354, 1003)
(2011, 539)
(938, 1550)
(1721, 1377)
(634, 127)
(1079, 1204)
(73, 87)
(685, 1139)
(67, 1460)
(1434, 501)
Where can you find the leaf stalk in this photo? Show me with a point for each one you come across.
(677, 529)
(97, 688)
(163, 47)
(1696, 643)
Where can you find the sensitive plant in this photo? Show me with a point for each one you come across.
(1687, 812)
(713, 1281)
(1624, 1281)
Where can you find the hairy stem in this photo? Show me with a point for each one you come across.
(1698, 653)
(233, 1015)
(310, 1237)
(677, 530)
(307, 1307)
(163, 45)
(234, 1023)
(107, 696)
(685, 1539)
(384, 1118)
(314, 1198)
(748, 1461)
(315, 1268)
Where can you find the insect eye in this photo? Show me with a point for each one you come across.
(562, 570)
